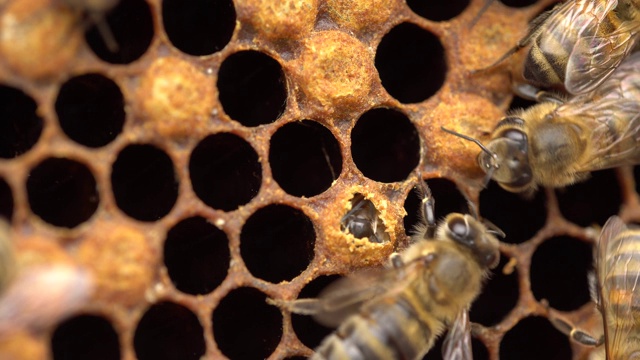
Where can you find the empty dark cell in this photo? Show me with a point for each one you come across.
(438, 10)
(478, 350)
(6, 200)
(20, 126)
(385, 145)
(225, 171)
(518, 217)
(199, 27)
(85, 337)
(196, 254)
(411, 62)
(62, 192)
(593, 201)
(169, 331)
(559, 269)
(518, 3)
(305, 158)
(245, 326)
(144, 182)
(90, 109)
(131, 24)
(277, 243)
(636, 175)
(252, 88)
(498, 297)
(447, 197)
(534, 338)
(308, 330)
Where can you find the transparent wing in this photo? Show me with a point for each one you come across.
(457, 344)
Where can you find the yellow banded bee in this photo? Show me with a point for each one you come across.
(398, 311)
(556, 143)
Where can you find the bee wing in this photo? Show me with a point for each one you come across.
(616, 290)
(457, 344)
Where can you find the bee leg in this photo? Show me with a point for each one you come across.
(569, 329)
(530, 92)
(427, 208)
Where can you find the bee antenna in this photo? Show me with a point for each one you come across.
(477, 17)
(493, 155)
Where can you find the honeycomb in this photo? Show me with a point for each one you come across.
(205, 163)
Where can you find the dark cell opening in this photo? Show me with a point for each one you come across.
(6, 200)
(518, 3)
(447, 197)
(308, 330)
(252, 88)
(411, 62)
(144, 182)
(277, 243)
(559, 270)
(20, 126)
(131, 24)
(498, 297)
(169, 331)
(199, 27)
(62, 192)
(534, 338)
(438, 10)
(518, 217)
(593, 201)
(90, 109)
(478, 350)
(85, 337)
(518, 103)
(245, 326)
(363, 221)
(385, 145)
(225, 171)
(196, 254)
(305, 158)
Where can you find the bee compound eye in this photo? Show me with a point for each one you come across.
(360, 228)
(458, 227)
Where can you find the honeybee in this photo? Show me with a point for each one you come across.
(578, 44)
(398, 311)
(362, 221)
(556, 143)
(97, 10)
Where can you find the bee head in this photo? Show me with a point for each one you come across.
(472, 234)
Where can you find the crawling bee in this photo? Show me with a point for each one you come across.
(578, 44)
(397, 312)
(362, 221)
(557, 142)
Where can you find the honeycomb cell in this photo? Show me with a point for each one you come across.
(438, 10)
(358, 15)
(448, 200)
(411, 63)
(225, 171)
(362, 220)
(144, 183)
(62, 192)
(308, 330)
(534, 338)
(20, 125)
(185, 22)
(90, 109)
(277, 243)
(593, 201)
(245, 326)
(518, 217)
(385, 145)
(498, 297)
(85, 337)
(6, 200)
(284, 20)
(196, 255)
(305, 158)
(518, 3)
(559, 269)
(252, 88)
(169, 331)
(132, 27)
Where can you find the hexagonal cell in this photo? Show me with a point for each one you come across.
(144, 183)
(245, 326)
(411, 63)
(559, 269)
(85, 337)
(90, 109)
(448, 199)
(62, 192)
(438, 10)
(169, 331)
(225, 171)
(534, 338)
(20, 125)
(308, 330)
(579, 205)
(277, 243)
(185, 22)
(252, 88)
(385, 145)
(196, 255)
(498, 297)
(363, 221)
(6, 200)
